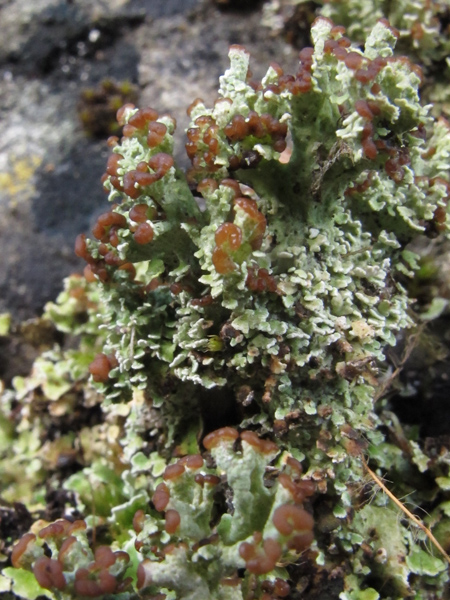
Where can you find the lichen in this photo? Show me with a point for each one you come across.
(422, 28)
(251, 299)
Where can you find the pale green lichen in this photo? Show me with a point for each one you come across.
(422, 26)
(261, 291)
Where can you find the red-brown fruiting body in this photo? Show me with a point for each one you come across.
(301, 85)
(222, 261)
(65, 546)
(231, 581)
(128, 131)
(260, 562)
(20, 548)
(176, 288)
(301, 541)
(299, 490)
(143, 234)
(288, 518)
(329, 46)
(120, 115)
(173, 471)
(207, 186)
(173, 520)
(260, 281)
(112, 141)
(193, 134)
(105, 221)
(98, 269)
(142, 167)
(429, 153)
(369, 148)
(142, 117)
(207, 479)
(368, 145)
(161, 163)
(57, 528)
(49, 574)
(204, 120)
(223, 435)
(232, 184)
(344, 42)
(199, 479)
(116, 183)
(281, 588)
(89, 275)
(139, 520)
(113, 164)
(133, 178)
(295, 465)
(376, 88)
(228, 235)
(211, 479)
(255, 125)
(362, 108)
(210, 137)
(263, 446)
(364, 75)
(256, 231)
(139, 213)
(104, 178)
(375, 66)
(161, 497)
(306, 56)
(239, 48)
(156, 133)
(337, 30)
(340, 53)
(203, 301)
(112, 259)
(81, 248)
(143, 577)
(104, 556)
(394, 169)
(78, 525)
(393, 30)
(192, 461)
(121, 555)
(440, 218)
(237, 129)
(374, 108)
(85, 585)
(277, 68)
(193, 104)
(100, 368)
(353, 60)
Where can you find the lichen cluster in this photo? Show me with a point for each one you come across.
(422, 26)
(247, 301)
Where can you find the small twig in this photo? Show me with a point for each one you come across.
(407, 512)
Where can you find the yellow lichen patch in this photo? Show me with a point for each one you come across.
(18, 179)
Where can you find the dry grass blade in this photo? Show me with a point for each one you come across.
(407, 512)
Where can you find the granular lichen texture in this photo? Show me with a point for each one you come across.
(236, 322)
